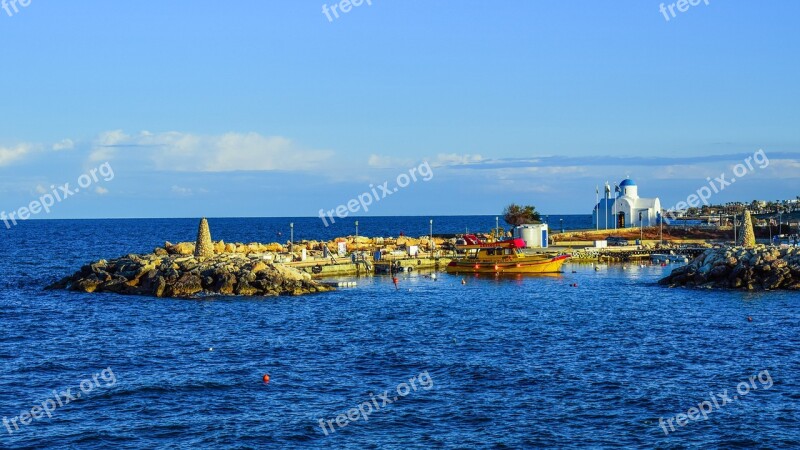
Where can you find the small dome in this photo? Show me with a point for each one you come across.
(627, 182)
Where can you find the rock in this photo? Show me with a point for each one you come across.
(219, 247)
(186, 286)
(773, 282)
(182, 248)
(89, 284)
(258, 267)
(273, 247)
(225, 283)
(243, 288)
(159, 286)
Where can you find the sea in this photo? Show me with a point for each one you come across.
(599, 356)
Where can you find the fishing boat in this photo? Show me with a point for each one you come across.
(502, 257)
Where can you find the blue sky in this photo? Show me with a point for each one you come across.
(265, 108)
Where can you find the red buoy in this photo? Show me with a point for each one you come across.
(266, 378)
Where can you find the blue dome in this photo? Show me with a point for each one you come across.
(627, 182)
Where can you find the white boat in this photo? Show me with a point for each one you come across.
(668, 258)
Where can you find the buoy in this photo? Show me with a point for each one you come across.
(749, 319)
(395, 280)
(463, 281)
(433, 276)
(211, 349)
(265, 378)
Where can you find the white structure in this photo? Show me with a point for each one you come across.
(534, 235)
(627, 209)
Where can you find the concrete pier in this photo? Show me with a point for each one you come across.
(320, 268)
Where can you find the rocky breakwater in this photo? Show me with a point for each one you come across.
(192, 270)
(756, 268)
(190, 276)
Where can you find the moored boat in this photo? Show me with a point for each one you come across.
(668, 258)
(503, 257)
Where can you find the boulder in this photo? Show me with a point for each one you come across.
(182, 248)
(187, 286)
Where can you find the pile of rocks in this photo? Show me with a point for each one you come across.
(190, 276)
(190, 270)
(760, 267)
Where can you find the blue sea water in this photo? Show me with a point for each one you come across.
(529, 362)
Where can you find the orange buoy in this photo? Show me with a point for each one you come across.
(265, 378)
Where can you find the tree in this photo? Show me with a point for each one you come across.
(516, 215)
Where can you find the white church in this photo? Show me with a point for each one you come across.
(627, 209)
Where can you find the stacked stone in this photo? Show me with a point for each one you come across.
(748, 237)
(204, 247)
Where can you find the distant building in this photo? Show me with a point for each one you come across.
(626, 209)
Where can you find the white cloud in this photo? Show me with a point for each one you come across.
(65, 144)
(454, 159)
(184, 152)
(442, 159)
(182, 191)
(387, 162)
(9, 155)
(101, 190)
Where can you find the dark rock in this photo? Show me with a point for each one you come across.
(225, 284)
(243, 288)
(186, 286)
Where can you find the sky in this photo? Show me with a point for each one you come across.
(268, 108)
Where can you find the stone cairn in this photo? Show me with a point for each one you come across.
(748, 237)
(203, 247)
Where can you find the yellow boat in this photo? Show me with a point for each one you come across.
(503, 257)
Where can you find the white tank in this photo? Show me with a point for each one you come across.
(534, 235)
